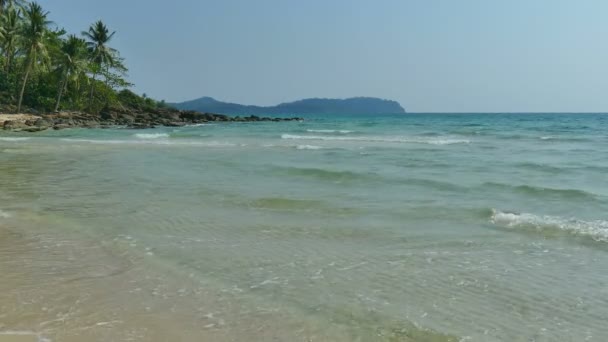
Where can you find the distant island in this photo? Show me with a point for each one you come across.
(355, 105)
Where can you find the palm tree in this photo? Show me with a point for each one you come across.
(71, 63)
(9, 32)
(34, 35)
(8, 4)
(101, 55)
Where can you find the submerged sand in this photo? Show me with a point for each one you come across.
(19, 337)
(65, 288)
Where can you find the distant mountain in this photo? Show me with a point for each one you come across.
(355, 105)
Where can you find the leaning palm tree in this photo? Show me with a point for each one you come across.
(34, 35)
(101, 55)
(71, 63)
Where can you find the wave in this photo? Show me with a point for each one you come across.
(13, 139)
(431, 141)
(281, 203)
(323, 174)
(597, 230)
(542, 192)
(151, 135)
(4, 215)
(163, 142)
(433, 184)
(541, 167)
(309, 147)
(564, 139)
(342, 131)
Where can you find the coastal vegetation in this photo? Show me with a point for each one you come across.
(44, 68)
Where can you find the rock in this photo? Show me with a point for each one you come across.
(42, 122)
(111, 117)
(61, 126)
(174, 124)
(14, 125)
(35, 129)
(90, 124)
(138, 125)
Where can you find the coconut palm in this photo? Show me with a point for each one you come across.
(71, 63)
(34, 35)
(101, 55)
(9, 32)
(8, 4)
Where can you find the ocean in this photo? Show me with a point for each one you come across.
(416, 227)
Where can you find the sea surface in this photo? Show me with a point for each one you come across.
(417, 227)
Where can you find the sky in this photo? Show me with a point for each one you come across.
(430, 55)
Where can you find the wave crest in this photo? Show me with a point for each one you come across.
(162, 142)
(151, 135)
(341, 131)
(309, 147)
(13, 139)
(543, 192)
(596, 230)
(403, 140)
(323, 174)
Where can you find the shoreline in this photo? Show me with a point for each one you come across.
(121, 118)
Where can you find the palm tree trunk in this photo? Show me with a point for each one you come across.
(61, 88)
(9, 61)
(27, 75)
(92, 91)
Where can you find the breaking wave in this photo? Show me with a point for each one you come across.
(597, 230)
(151, 135)
(431, 141)
(153, 141)
(13, 139)
(309, 147)
(341, 131)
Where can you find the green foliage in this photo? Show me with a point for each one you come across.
(44, 68)
(129, 99)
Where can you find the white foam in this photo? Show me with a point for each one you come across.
(92, 141)
(342, 131)
(597, 230)
(4, 214)
(308, 147)
(164, 142)
(151, 135)
(431, 141)
(13, 139)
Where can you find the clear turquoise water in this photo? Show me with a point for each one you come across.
(484, 227)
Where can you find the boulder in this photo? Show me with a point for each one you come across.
(35, 129)
(14, 125)
(59, 126)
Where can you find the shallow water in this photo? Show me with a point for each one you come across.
(435, 227)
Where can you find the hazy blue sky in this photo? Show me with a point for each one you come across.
(430, 55)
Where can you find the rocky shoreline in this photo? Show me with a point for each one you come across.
(110, 118)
